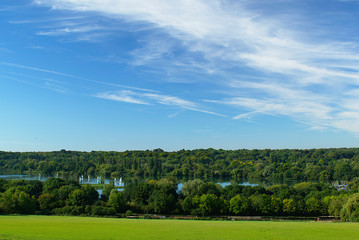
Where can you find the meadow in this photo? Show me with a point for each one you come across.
(62, 227)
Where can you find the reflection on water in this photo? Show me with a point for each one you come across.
(106, 181)
(100, 191)
(223, 184)
(23, 177)
(119, 182)
(43, 179)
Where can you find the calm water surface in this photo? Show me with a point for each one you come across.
(124, 182)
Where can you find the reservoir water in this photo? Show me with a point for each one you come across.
(124, 182)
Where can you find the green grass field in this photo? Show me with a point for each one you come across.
(56, 227)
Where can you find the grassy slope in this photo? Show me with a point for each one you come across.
(55, 227)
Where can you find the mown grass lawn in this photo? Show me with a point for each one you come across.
(57, 227)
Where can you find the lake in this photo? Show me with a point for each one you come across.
(123, 182)
(127, 180)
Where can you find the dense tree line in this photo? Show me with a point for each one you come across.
(313, 164)
(196, 197)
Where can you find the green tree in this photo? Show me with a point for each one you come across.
(336, 205)
(163, 198)
(276, 205)
(52, 184)
(239, 205)
(117, 201)
(192, 187)
(209, 204)
(90, 194)
(343, 171)
(16, 200)
(106, 192)
(350, 211)
(46, 202)
(313, 206)
(289, 206)
(62, 194)
(187, 205)
(76, 198)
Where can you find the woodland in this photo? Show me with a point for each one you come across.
(311, 164)
(56, 196)
(315, 194)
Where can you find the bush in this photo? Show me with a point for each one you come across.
(350, 211)
(69, 210)
(103, 211)
(128, 213)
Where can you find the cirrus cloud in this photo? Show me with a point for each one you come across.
(267, 63)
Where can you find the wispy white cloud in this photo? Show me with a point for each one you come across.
(170, 100)
(79, 27)
(144, 98)
(54, 86)
(66, 30)
(172, 115)
(48, 84)
(296, 71)
(122, 96)
(67, 76)
(35, 69)
(48, 20)
(175, 101)
(153, 49)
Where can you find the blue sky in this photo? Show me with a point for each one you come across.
(123, 75)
